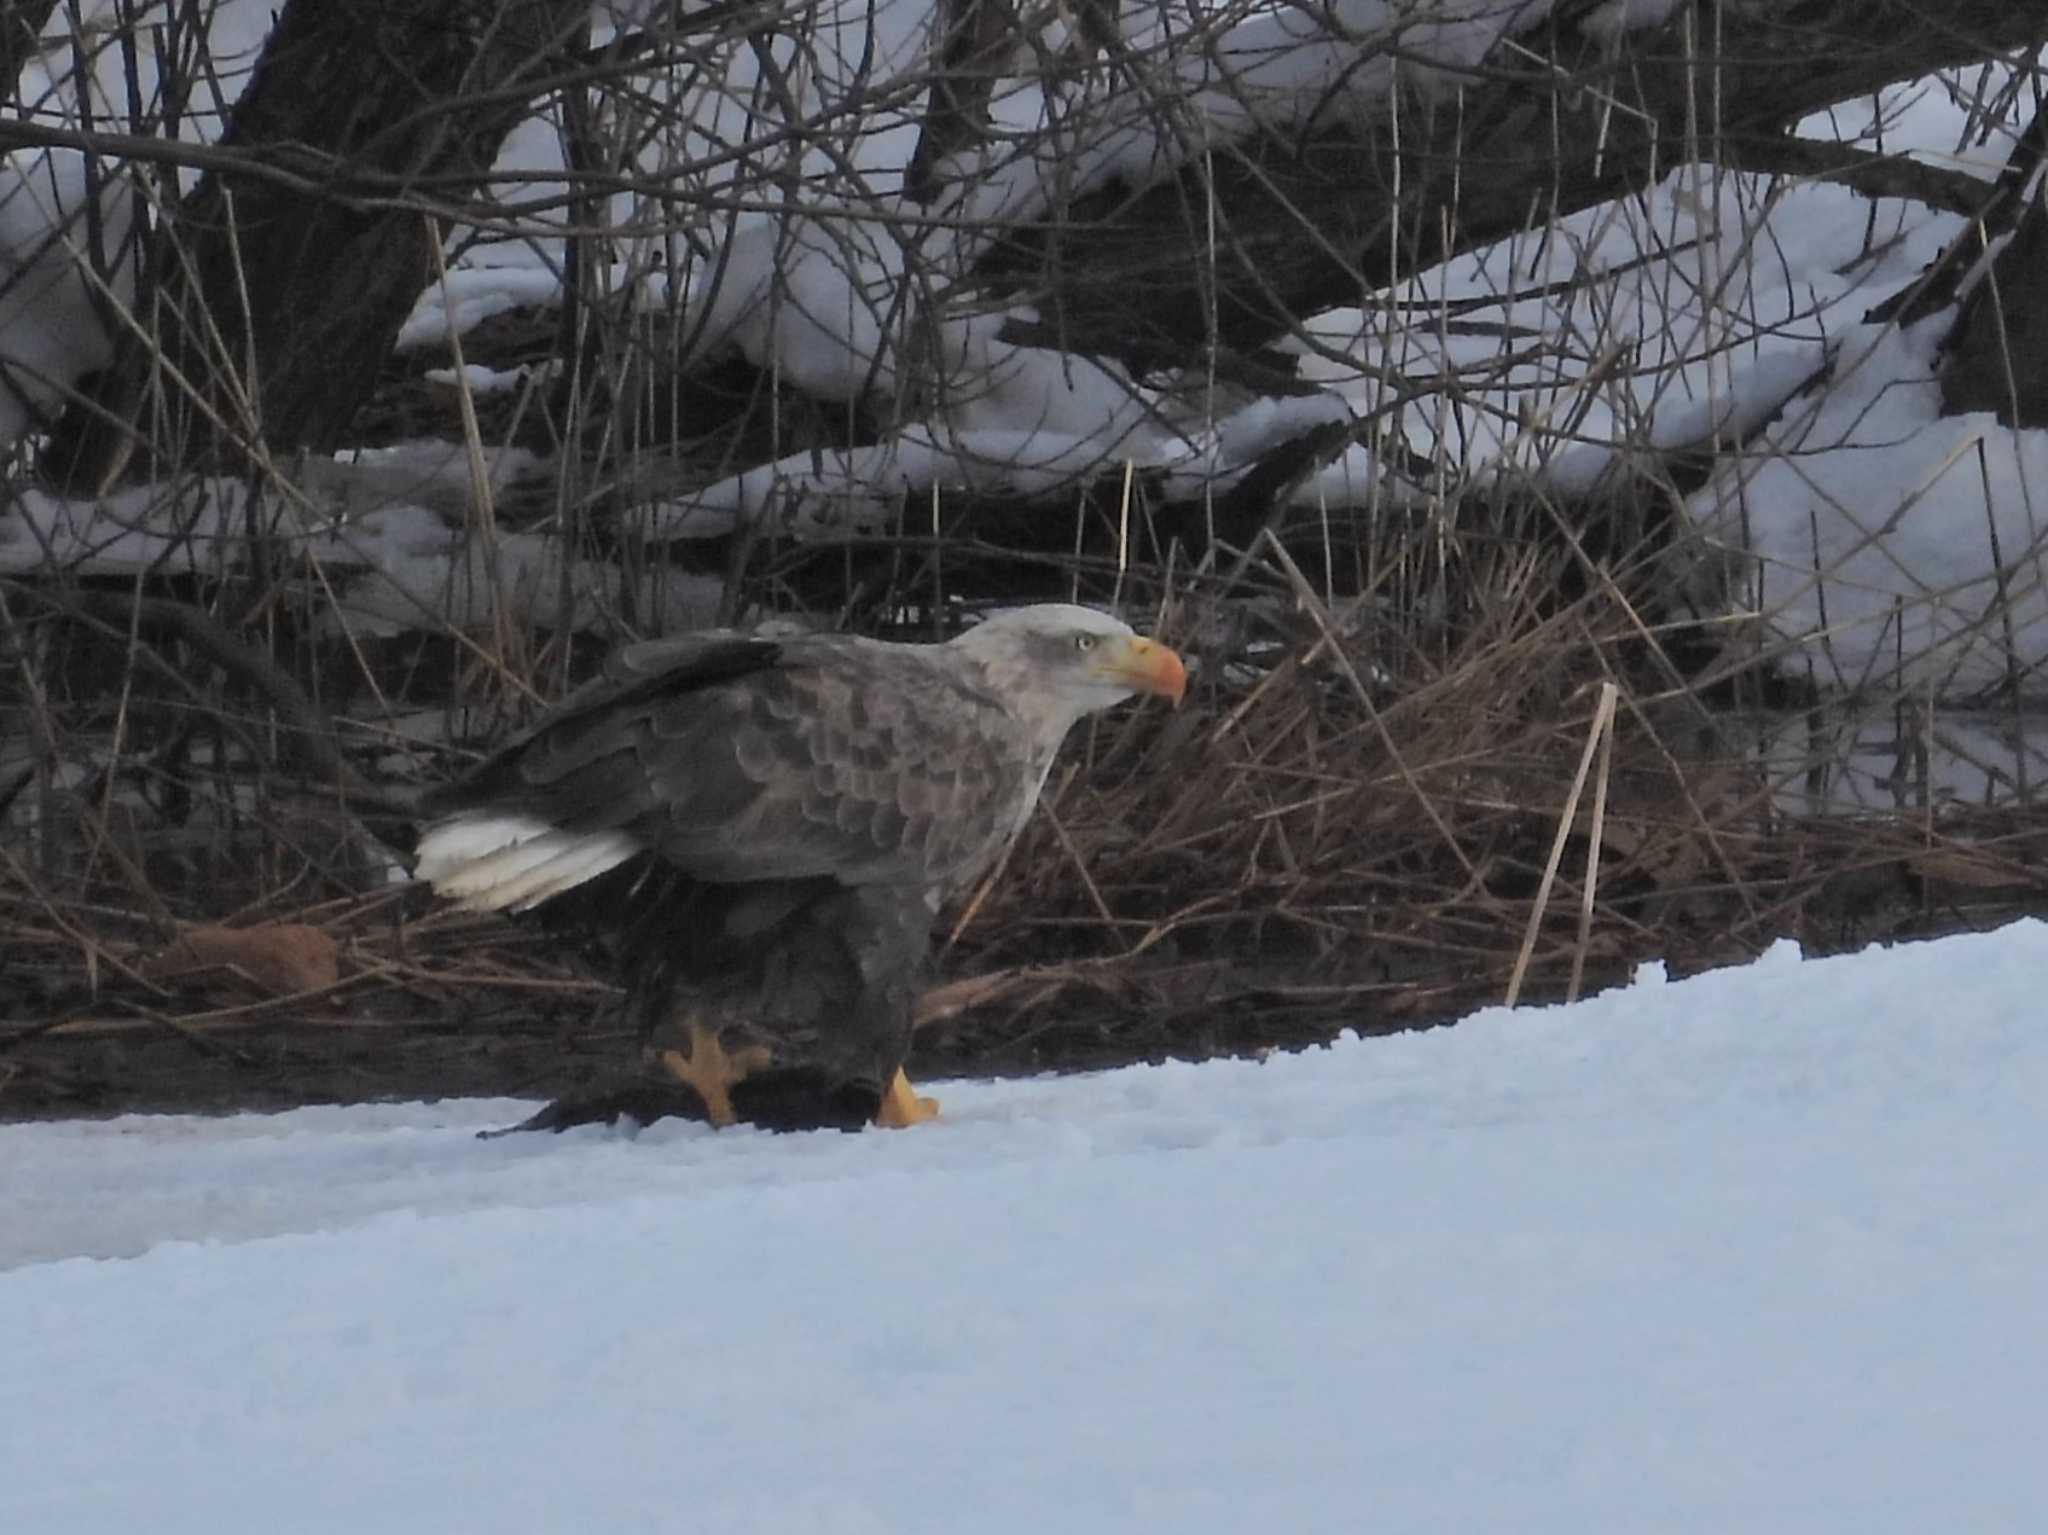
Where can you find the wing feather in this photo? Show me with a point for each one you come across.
(746, 760)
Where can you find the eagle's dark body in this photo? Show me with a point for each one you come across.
(763, 830)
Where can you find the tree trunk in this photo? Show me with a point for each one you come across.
(1996, 354)
(21, 28)
(270, 303)
(978, 38)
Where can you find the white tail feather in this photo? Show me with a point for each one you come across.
(584, 858)
(487, 862)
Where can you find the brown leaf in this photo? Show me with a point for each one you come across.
(277, 959)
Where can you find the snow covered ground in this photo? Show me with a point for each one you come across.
(1759, 1251)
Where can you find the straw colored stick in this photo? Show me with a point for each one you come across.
(1603, 718)
(1592, 883)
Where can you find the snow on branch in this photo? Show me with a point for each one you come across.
(380, 546)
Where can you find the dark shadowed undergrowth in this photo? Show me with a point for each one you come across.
(1379, 809)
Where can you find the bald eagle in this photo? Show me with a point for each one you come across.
(765, 829)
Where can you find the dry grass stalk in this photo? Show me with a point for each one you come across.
(1605, 729)
(1596, 737)
(1280, 872)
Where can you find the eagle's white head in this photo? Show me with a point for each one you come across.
(1056, 662)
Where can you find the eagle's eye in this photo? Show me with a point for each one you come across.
(1084, 642)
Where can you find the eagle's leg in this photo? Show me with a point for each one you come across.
(710, 1071)
(901, 1107)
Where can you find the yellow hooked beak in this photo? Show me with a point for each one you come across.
(1146, 666)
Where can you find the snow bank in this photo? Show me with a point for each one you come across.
(1758, 1250)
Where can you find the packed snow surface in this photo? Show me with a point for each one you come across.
(1758, 1251)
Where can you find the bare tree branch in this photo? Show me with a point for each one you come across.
(1863, 170)
(1560, 121)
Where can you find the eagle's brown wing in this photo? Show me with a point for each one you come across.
(738, 759)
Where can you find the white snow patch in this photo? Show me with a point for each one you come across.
(468, 296)
(480, 380)
(1886, 529)
(50, 331)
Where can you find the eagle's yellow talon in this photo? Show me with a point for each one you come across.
(901, 1108)
(712, 1072)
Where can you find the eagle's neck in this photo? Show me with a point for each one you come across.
(1046, 716)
